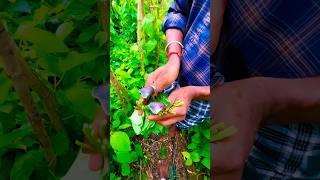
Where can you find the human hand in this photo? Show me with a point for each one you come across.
(184, 94)
(96, 158)
(242, 104)
(163, 76)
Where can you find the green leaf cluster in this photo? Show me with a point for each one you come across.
(63, 44)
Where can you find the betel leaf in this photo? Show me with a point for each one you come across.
(192, 146)
(64, 30)
(13, 140)
(188, 162)
(150, 45)
(80, 96)
(101, 38)
(60, 143)
(205, 150)
(147, 23)
(195, 156)
(25, 164)
(120, 141)
(124, 126)
(125, 169)
(146, 125)
(123, 157)
(186, 154)
(74, 59)
(206, 133)
(135, 118)
(1, 129)
(206, 162)
(87, 34)
(44, 40)
(196, 138)
(50, 64)
(5, 87)
(40, 14)
(138, 150)
(136, 129)
(133, 156)
(136, 121)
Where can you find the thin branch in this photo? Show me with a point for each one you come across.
(116, 86)
(16, 70)
(140, 33)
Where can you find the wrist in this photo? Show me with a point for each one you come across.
(174, 60)
(261, 95)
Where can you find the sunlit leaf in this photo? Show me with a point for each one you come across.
(120, 141)
(43, 39)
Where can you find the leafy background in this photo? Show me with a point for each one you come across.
(64, 45)
(129, 64)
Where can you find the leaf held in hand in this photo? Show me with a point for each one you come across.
(156, 107)
(178, 103)
(135, 118)
(147, 91)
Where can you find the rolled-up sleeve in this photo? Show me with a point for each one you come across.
(177, 15)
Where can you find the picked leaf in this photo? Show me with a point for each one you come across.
(223, 134)
(147, 91)
(178, 103)
(135, 118)
(156, 107)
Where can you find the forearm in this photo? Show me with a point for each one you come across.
(200, 92)
(293, 100)
(174, 35)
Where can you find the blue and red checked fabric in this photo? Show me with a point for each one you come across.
(197, 113)
(192, 17)
(279, 39)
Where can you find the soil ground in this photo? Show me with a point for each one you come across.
(152, 148)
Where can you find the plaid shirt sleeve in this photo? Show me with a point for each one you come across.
(278, 39)
(177, 16)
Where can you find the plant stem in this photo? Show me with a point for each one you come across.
(140, 33)
(18, 71)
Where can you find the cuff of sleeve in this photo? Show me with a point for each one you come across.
(175, 20)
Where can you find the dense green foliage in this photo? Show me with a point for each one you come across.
(63, 44)
(125, 63)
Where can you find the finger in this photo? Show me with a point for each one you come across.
(96, 162)
(170, 121)
(150, 79)
(140, 113)
(88, 149)
(160, 118)
(142, 101)
(226, 157)
(98, 123)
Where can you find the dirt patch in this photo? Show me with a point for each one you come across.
(159, 148)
